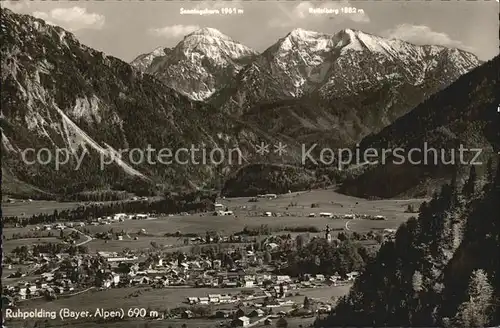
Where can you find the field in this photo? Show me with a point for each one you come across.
(294, 209)
(131, 323)
(251, 214)
(9, 232)
(35, 207)
(8, 246)
(324, 294)
(142, 242)
(41, 237)
(161, 299)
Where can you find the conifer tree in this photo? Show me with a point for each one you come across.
(469, 187)
(307, 303)
(497, 177)
(490, 172)
(476, 311)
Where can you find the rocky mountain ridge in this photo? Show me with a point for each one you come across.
(323, 88)
(304, 62)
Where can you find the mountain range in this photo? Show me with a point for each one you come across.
(300, 63)
(315, 87)
(308, 87)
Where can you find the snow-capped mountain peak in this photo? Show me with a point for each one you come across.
(206, 59)
(350, 39)
(142, 62)
(303, 41)
(213, 44)
(346, 64)
(300, 33)
(408, 54)
(209, 32)
(202, 61)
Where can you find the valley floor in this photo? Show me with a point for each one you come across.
(288, 211)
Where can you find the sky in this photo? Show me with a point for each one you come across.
(126, 29)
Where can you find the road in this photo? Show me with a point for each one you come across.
(347, 225)
(87, 237)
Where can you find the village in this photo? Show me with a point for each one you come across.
(245, 278)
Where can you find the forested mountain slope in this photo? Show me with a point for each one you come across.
(464, 114)
(60, 94)
(442, 269)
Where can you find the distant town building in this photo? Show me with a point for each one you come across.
(241, 322)
(256, 313)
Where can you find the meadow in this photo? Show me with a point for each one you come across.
(20, 208)
(161, 299)
(293, 209)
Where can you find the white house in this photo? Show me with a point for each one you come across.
(320, 277)
(272, 246)
(283, 279)
(214, 298)
(119, 216)
(225, 299)
(223, 213)
(352, 275)
(115, 279)
(242, 322)
(270, 196)
(121, 259)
